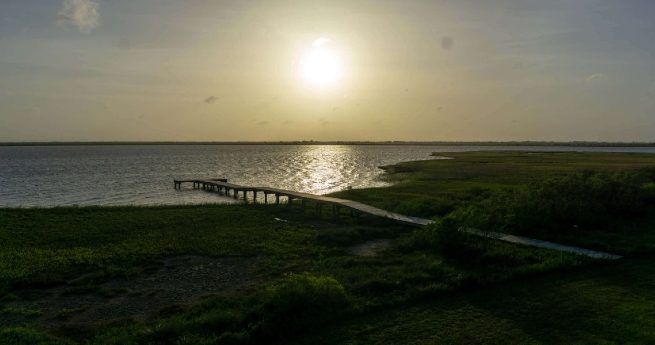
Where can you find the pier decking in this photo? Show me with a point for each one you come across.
(356, 208)
(287, 197)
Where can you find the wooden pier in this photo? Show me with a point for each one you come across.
(287, 197)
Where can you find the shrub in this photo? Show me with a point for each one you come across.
(449, 239)
(299, 303)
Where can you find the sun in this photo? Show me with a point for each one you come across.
(321, 65)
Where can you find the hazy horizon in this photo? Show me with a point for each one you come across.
(497, 70)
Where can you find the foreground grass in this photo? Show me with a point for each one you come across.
(604, 304)
(48, 246)
(75, 251)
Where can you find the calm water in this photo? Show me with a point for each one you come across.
(143, 174)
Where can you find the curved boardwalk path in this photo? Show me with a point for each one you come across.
(356, 208)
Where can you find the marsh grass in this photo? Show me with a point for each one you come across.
(449, 184)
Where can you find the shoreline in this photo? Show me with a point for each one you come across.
(387, 171)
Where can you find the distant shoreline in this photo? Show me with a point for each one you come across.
(425, 143)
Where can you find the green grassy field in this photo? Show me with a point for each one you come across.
(219, 274)
(436, 187)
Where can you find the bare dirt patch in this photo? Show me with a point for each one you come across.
(370, 248)
(174, 281)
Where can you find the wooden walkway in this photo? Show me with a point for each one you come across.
(277, 196)
(287, 197)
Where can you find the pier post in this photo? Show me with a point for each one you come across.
(289, 200)
(254, 196)
(277, 199)
(265, 198)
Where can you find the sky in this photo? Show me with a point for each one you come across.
(200, 70)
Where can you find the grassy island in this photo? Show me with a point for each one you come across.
(249, 274)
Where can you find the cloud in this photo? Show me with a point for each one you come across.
(34, 111)
(211, 99)
(447, 43)
(124, 44)
(81, 13)
(596, 78)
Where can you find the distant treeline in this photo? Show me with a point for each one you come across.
(312, 142)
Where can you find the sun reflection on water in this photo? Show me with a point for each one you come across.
(327, 167)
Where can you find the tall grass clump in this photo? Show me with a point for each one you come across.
(446, 236)
(299, 303)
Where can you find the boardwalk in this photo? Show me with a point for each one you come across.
(356, 208)
(248, 193)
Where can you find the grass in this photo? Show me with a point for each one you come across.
(437, 187)
(429, 286)
(440, 187)
(80, 249)
(609, 304)
(49, 246)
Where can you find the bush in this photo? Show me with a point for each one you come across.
(586, 200)
(299, 303)
(449, 239)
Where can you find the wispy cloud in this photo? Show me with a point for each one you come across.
(81, 13)
(124, 44)
(596, 78)
(447, 42)
(211, 99)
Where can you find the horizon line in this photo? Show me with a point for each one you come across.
(341, 142)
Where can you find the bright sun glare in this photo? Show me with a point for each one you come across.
(321, 65)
